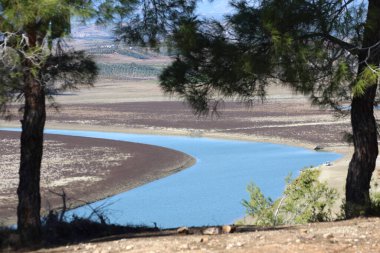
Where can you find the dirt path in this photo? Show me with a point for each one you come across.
(359, 235)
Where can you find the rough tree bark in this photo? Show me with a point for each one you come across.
(363, 122)
(33, 123)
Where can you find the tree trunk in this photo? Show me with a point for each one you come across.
(28, 211)
(363, 123)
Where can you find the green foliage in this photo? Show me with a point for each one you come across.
(305, 199)
(153, 21)
(259, 206)
(43, 16)
(301, 43)
(375, 203)
(373, 208)
(31, 34)
(366, 78)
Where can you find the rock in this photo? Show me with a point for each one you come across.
(184, 247)
(183, 230)
(227, 229)
(239, 244)
(318, 147)
(230, 246)
(211, 231)
(328, 236)
(204, 239)
(298, 241)
(308, 237)
(303, 231)
(193, 247)
(89, 246)
(234, 245)
(130, 247)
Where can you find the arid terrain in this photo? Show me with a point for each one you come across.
(354, 236)
(90, 169)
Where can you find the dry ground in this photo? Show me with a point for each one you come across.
(354, 236)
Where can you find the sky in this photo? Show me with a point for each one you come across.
(206, 8)
(215, 9)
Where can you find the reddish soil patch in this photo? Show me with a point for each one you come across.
(290, 120)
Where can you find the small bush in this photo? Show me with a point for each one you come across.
(8, 239)
(78, 229)
(375, 204)
(305, 199)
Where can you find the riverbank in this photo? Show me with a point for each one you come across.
(87, 169)
(334, 174)
(237, 189)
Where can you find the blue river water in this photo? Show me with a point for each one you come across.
(211, 191)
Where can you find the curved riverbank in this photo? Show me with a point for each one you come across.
(283, 120)
(334, 175)
(211, 191)
(88, 169)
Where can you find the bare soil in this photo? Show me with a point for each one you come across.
(359, 235)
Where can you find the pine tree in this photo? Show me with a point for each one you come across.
(326, 49)
(34, 65)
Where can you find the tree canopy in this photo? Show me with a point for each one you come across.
(34, 63)
(326, 49)
(32, 31)
(313, 46)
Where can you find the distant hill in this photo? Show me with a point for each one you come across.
(91, 32)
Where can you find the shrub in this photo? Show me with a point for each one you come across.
(259, 206)
(305, 199)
